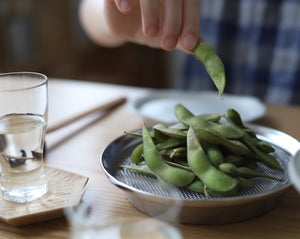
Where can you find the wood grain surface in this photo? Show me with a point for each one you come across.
(77, 148)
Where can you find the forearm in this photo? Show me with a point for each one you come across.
(94, 22)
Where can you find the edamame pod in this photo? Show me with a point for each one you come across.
(248, 173)
(178, 165)
(251, 141)
(214, 117)
(137, 154)
(235, 147)
(187, 117)
(215, 155)
(170, 143)
(132, 134)
(264, 146)
(267, 159)
(179, 126)
(175, 133)
(213, 64)
(198, 186)
(237, 160)
(142, 168)
(209, 175)
(176, 176)
(244, 172)
(159, 137)
(176, 153)
(234, 118)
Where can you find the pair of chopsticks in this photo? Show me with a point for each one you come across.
(107, 107)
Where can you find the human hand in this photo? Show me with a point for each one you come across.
(166, 24)
(169, 23)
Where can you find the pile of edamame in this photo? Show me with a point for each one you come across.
(202, 153)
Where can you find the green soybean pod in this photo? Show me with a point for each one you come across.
(235, 159)
(176, 176)
(229, 169)
(179, 126)
(213, 178)
(159, 137)
(174, 153)
(212, 117)
(132, 134)
(265, 146)
(213, 64)
(187, 117)
(244, 172)
(266, 158)
(197, 186)
(178, 165)
(248, 173)
(175, 133)
(235, 119)
(234, 146)
(169, 154)
(137, 154)
(215, 155)
(143, 169)
(170, 143)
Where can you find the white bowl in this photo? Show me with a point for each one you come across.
(294, 170)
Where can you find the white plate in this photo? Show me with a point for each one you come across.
(159, 104)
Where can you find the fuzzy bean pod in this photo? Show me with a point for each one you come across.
(176, 176)
(213, 64)
(209, 175)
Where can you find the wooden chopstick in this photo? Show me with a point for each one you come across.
(104, 107)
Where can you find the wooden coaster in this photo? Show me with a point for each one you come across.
(65, 190)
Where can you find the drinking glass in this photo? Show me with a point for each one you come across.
(93, 219)
(23, 122)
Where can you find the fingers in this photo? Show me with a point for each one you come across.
(168, 23)
(124, 6)
(191, 23)
(171, 23)
(150, 12)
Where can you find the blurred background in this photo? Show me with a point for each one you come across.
(45, 36)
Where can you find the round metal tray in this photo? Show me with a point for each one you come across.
(147, 195)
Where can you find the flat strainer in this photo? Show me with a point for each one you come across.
(147, 195)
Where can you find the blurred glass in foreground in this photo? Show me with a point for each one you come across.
(87, 221)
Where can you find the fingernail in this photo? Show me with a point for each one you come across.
(170, 43)
(189, 42)
(125, 6)
(151, 31)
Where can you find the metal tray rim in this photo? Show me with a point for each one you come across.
(261, 129)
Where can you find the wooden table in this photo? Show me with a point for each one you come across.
(76, 148)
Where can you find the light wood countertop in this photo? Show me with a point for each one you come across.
(77, 148)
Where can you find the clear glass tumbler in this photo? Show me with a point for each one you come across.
(92, 219)
(23, 123)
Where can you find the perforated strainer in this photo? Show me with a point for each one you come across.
(146, 194)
